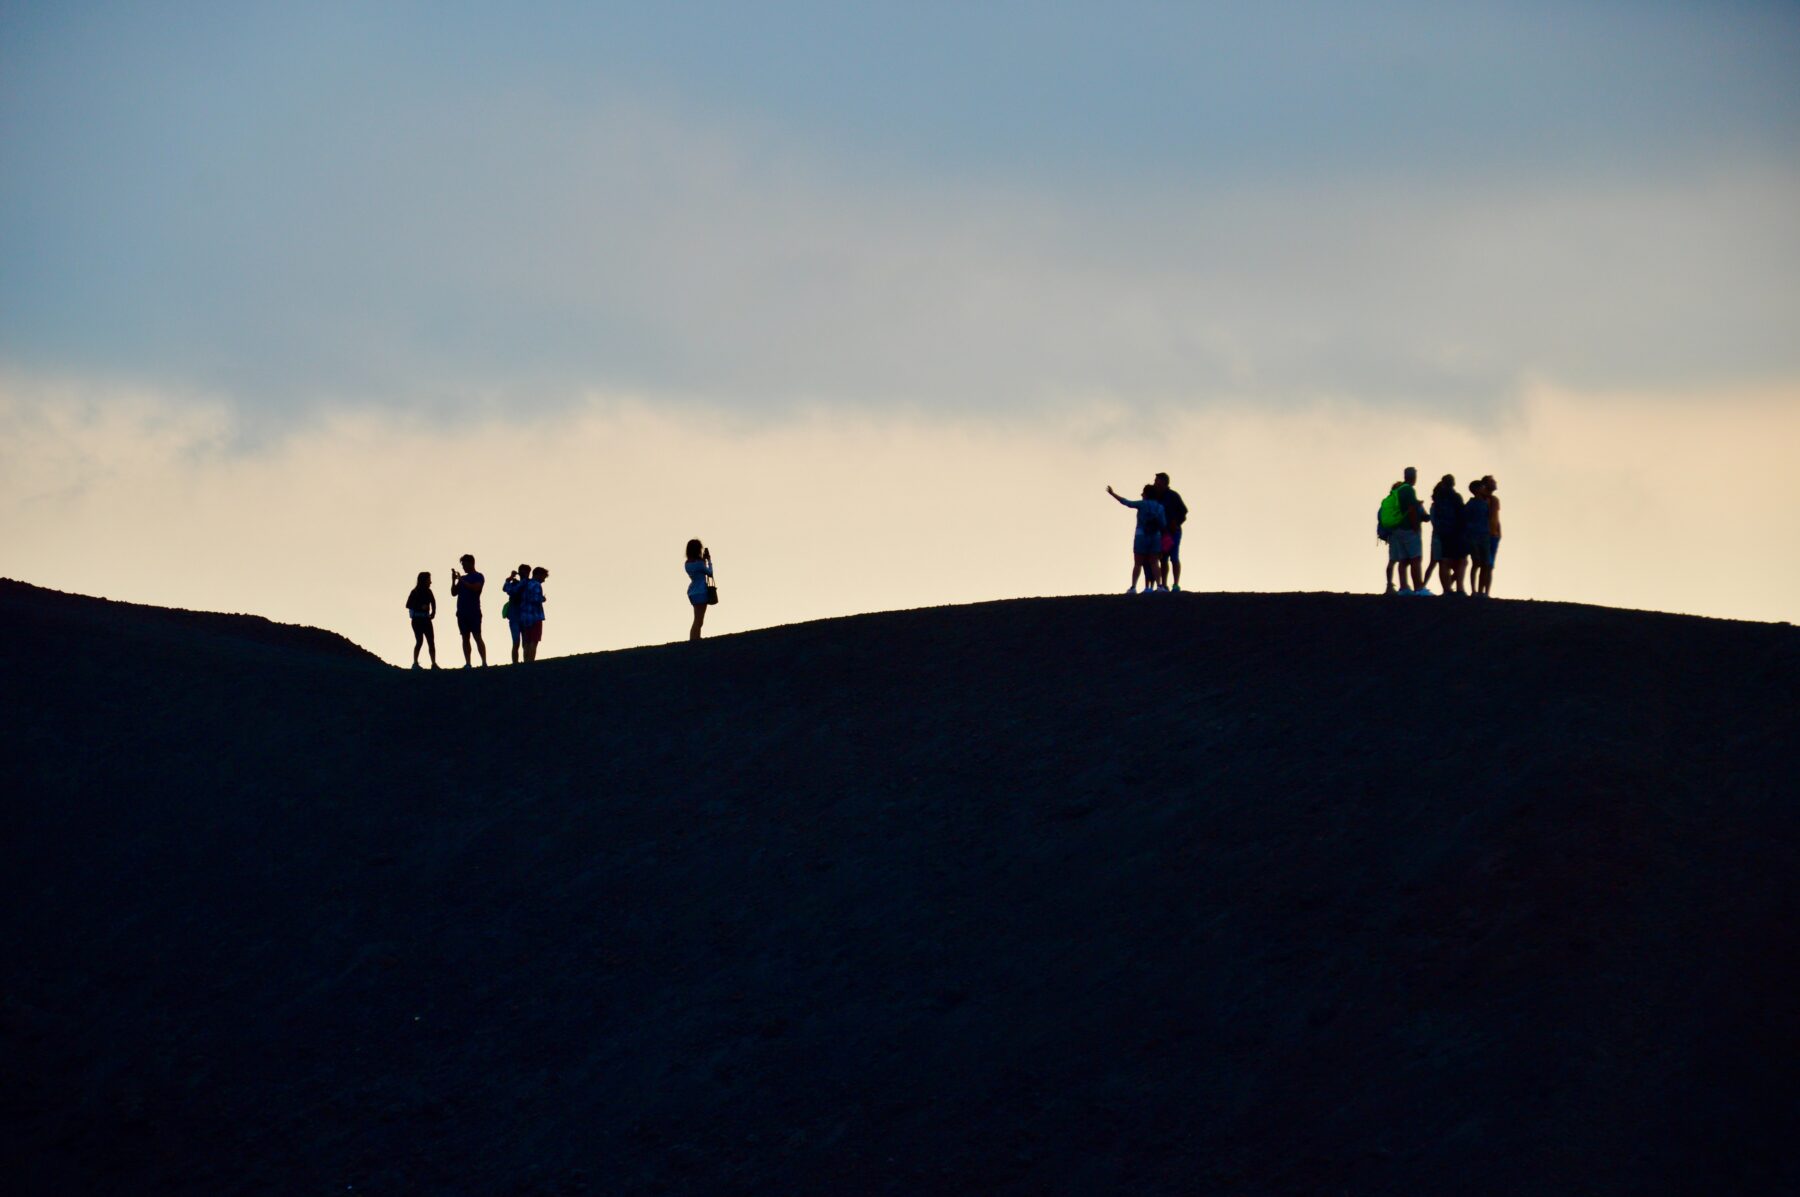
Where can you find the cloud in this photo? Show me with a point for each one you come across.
(350, 213)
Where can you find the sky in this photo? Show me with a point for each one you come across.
(877, 299)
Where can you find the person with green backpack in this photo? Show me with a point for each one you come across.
(1401, 516)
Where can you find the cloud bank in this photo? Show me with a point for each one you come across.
(1014, 210)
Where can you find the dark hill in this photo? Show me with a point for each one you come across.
(1224, 893)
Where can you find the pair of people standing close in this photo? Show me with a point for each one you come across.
(524, 609)
(1461, 532)
(1156, 540)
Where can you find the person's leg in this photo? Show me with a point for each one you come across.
(1390, 574)
(531, 634)
(699, 618)
(513, 624)
(481, 645)
(1412, 563)
(1137, 563)
(1429, 567)
(465, 640)
(418, 640)
(431, 642)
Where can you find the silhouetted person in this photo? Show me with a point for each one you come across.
(1146, 540)
(1479, 539)
(1449, 551)
(516, 579)
(1383, 530)
(1175, 513)
(421, 607)
(699, 569)
(1492, 490)
(531, 614)
(466, 587)
(1403, 542)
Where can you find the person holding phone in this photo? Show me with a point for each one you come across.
(467, 589)
(515, 602)
(699, 570)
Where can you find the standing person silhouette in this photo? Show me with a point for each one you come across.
(1175, 514)
(1448, 552)
(1146, 540)
(514, 602)
(699, 569)
(531, 614)
(1404, 547)
(467, 589)
(421, 608)
(1492, 488)
(1479, 541)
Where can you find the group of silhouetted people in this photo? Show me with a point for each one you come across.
(1156, 540)
(1465, 535)
(524, 607)
(523, 611)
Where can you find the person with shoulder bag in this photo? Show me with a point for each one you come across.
(701, 591)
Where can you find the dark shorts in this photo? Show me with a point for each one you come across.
(469, 624)
(422, 626)
(1480, 552)
(531, 633)
(1172, 545)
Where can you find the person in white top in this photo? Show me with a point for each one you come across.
(699, 569)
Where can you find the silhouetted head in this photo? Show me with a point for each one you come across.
(1488, 484)
(424, 579)
(524, 570)
(1475, 487)
(540, 573)
(1446, 486)
(1162, 480)
(1149, 491)
(468, 560)
(693, 549)
(1411, 475)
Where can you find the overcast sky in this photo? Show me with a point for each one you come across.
(298, 300)
(936, 206)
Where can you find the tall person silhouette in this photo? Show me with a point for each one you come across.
(466, 587)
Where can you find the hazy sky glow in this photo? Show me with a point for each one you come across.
(260, 229)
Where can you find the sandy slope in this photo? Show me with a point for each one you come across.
(1224, 893)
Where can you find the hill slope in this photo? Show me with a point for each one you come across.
(1273, 893)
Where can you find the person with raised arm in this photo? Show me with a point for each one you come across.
(1146, 539)
(515, 581)
(466, 587)
(699, 573)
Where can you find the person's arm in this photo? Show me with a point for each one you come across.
(434, 606)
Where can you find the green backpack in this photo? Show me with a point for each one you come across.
(1390, 515)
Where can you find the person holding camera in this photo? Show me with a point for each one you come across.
(699, 572)
(510, 612)
(467, 589)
